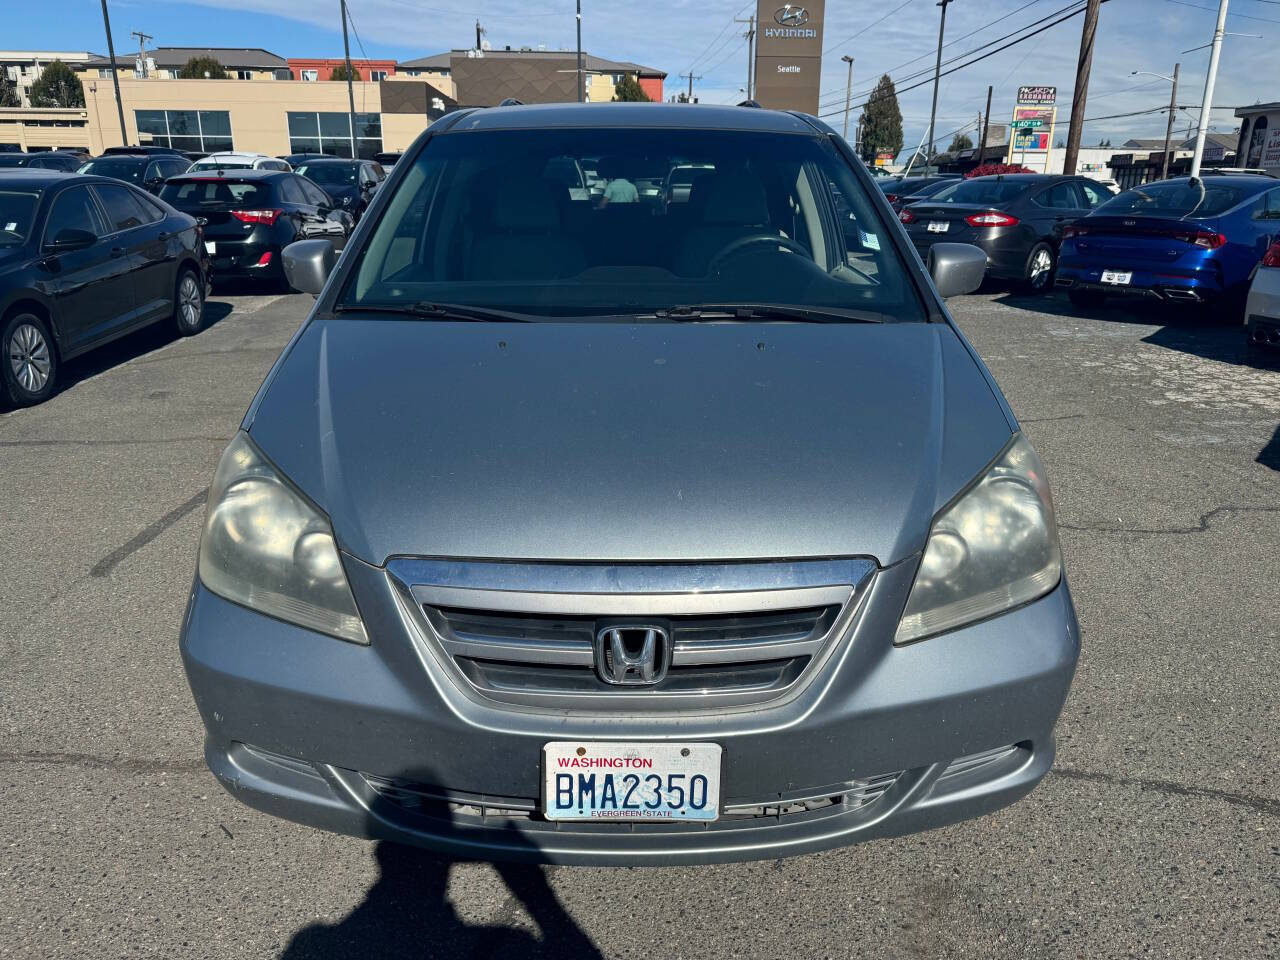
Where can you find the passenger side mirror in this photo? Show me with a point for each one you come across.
(308, 263)
(956, 268)
(72, 239)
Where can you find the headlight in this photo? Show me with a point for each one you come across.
(266, 547)
(994, 548)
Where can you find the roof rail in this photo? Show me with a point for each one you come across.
(751, 103)
(510, 102)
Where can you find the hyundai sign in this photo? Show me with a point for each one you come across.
(788, 54)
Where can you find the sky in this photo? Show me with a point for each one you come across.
(682, 36)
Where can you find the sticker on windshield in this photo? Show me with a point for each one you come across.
(870, 240)
(11, 227)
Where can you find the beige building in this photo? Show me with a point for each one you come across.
(484, 77)
(22, 68)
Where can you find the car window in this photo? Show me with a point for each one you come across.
(123, 211)
(291, 191)
(313, 193)
(128, 169)
(174, 167)
(212, 192)
(152, 210)
(73, 209)
(777, 219)
(17, 208)
(1060, 196)
(1268, 206)
(1093, 195)
(981, 190)
(330, 174)
(1176, 198)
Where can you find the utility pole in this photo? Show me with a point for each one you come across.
(848, 87)
(1168, 132)
(582, 90)
(690, 77)
(1083, 65)
(937, 72)
(142, 48)
(351, 94)
(478, 32)
(857, 140)
(1206, 105)
(986, 122)
(751, 55)
(115, 75)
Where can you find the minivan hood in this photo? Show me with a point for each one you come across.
(646, 442)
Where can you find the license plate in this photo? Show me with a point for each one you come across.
(938, 226)
(1117, 276)
(631, 781)
(210, 247)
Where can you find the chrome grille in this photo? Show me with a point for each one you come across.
(739, 633)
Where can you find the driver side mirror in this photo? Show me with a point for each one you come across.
(956, 268)
(308, 263)
(72, 239)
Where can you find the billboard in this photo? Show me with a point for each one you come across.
(788, 63)
(1031, 132)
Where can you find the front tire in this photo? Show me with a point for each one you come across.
(188, 303)
(1038, 273)
(30, 360)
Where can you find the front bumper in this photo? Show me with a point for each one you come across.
(378, 741)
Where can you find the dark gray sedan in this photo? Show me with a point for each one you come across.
(629, 534)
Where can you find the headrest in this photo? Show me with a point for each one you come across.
(735, 198)
(526, 204)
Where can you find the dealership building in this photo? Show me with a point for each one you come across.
(278, 106)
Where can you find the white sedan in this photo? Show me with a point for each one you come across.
(1262, 310)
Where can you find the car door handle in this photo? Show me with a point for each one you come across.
(117, 252)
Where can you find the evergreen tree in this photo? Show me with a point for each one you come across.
(628, 90)
(57, 86)
(882, 121)
(8, 94)
(960, 142)
(199, 68)
(340, 73)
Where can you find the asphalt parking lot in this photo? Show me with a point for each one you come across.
(1158, 833)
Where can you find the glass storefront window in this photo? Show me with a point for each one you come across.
(198, 131)
(330, 133)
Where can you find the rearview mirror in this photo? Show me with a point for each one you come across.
(308, 263)
(72, 239)
(956, 268)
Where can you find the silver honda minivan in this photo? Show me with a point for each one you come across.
(624, 527)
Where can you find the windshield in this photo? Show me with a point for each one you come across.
(16, 213)
(209, 164)
(14, 159)
(199, 194)
(931, 189)
(484, 219)
(328, 174)
(1175, 199)
(118, 168)
(983, 190)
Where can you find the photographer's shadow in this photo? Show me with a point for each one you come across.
(407, 913)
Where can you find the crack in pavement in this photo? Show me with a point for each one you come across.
(147, 534)
(1201, 526)
(1260, 804)
(1069, 416)
(89, 761)
(107, 443)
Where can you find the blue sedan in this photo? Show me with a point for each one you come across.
(1181, 240)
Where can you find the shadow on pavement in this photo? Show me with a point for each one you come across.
(1269, 456)
(130, 347)
(1186, 328)
(407, 912)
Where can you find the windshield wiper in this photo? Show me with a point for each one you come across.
(713, 312)
(436, 311)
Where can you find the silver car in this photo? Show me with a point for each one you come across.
(629, 533)
(1262, 309)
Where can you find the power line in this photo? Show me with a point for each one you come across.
(865, 29)
(1242, 16)
(990, 53)
(704, 53)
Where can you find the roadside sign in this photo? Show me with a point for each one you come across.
(1038, 96)
(1028, 124)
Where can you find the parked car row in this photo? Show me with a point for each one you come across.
(1204, 241)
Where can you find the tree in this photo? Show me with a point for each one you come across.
(201, 68)
(882, 121)
(57, 86)
(991, 169)
(8, 94)
(340, 73)
(959, 142)
(628, 90)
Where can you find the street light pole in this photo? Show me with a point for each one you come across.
(848, 86)
(937, 72)
(351, 95)
(1173, 107)
(582, 93)
(115, 75)
(1209, 80)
